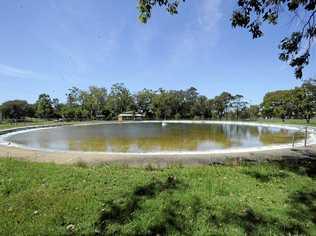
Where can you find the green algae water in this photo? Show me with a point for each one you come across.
(153, 137)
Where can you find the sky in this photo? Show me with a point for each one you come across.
(50, 46)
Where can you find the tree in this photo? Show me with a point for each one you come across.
(16, 109)
(99, 98)
(307, 100)
(73, 110)
(93, 101)
(251, 14)
(222, 103)
(177, 102)
(120, 100)
(162, 104)
(73, 96)
(145, 7)
(253, 112)
(190, 97)
(299, 102)
(144, 102)
(200, 108)
(57, 107)
(238, 103)
(279, 103)
(44, 106)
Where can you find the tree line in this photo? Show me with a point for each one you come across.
(298, 103)
(100, 103)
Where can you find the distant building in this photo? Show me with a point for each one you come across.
(130, 116)
(100, 117)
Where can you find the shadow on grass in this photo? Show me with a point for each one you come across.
(121, 211)
(266, 176)
(305, 165)
(185, 217)
(255, 223)
(303, 206)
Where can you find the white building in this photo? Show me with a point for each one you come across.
(130, 116)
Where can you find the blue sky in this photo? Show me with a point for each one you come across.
(49, 46)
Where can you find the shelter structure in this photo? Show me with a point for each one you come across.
(130, 115)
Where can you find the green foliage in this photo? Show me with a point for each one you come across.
(82, 105)
(239, 104)
(296, 103)
(251, 14)
(222, 103)
(145, 7)
(120, 100)
(16, 109)
(44, 106)
(93, 102)
(96, 103)
(144, 102)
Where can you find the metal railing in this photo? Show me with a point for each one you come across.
(305, 137)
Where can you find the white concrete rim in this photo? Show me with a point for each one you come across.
(311, 139)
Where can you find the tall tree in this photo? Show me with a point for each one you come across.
(238, 103)
(73, 96)
(254, 111)
(190, 97)
(307, 100)
(163, 104)
(44, 106)
(57, 106)
(120, 100)
(278, 104)
(144, 101)
(73, 108)
(93, 101)
(200, 108)
(222, 103)
(16, 109)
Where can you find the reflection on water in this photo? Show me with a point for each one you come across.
(151, 137)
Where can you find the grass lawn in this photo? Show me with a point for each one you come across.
(9, 125)
(266, 199)
(290, 121)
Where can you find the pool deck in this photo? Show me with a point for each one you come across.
(160, 160)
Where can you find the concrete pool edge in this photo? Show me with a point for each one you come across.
(67, 157)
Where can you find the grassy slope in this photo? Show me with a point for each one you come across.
(7, 125)
(44, 199)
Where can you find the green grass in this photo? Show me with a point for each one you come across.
(9, 125)
(35, 122)
(290, 121)
(47, 199)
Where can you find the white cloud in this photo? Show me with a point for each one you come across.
(204, 31)
(209, 15)
(201, 34)
(19, 73)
